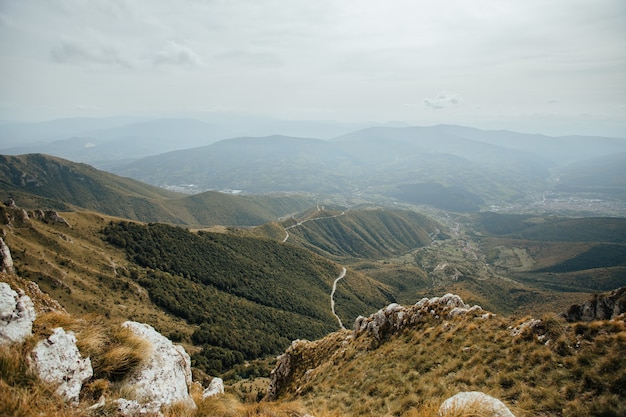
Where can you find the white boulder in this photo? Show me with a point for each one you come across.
(216, 387)
(58, 361)
(165, 376)
(17, 314)
(474, 403)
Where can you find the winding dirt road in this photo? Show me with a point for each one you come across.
(332, 297)
(343, 272)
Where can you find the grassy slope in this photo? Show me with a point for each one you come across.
(435, 358)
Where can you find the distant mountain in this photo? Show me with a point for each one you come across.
(108, 141)
(15, 135)
(41, 181)
(373, 161)
(600, 176)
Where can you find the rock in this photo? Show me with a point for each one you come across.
(282, 372)
(473, 403)
(6, 261)
(131, 408)
(50, 216)
(395, 317)
(216, 387)
(17, 314)
(165, 376)
(600, 307)
(58, 361)
(529, 325)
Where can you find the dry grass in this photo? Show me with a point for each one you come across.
(554, 369)
(114, 350)
(21, 391)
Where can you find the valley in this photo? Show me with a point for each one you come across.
(324, 240)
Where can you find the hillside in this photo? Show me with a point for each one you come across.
(43, 182)
(561, 254)
(199, 288)
(404, 361)
(371, 233)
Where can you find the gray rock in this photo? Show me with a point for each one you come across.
(474, 403)
(165, 376)
(17, 314)
(6, 261)
(395, 317)
(132, 408)
(600, 307)
(58, 361)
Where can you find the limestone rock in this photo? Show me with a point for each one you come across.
(473, 403)
(395, 317)
(600, 307)
(165, 376)
(6, 261)
(58, 361)
(17, 314)
(131, 408)
(216, 387)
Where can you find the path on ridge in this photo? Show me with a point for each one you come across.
(343, 272)
(310, 220)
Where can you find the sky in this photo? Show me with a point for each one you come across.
(554, 67)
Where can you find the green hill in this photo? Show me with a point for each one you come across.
(37, 181)
(560, 254)
(366, 233)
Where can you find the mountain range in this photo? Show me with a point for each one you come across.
(312, 235)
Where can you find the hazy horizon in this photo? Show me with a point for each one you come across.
(554, 68)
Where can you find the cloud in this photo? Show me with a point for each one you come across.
(442, 100)
(173, 53)
(71, 51)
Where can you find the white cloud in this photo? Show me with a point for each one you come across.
(174, 53)
(442, 100)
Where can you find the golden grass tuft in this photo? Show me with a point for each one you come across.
(114, 350)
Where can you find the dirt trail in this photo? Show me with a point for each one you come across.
(332, 297)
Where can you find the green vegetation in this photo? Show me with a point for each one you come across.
(45, 182)
(365, 233)
(250, 297)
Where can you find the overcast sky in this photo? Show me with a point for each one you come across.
(551, 66)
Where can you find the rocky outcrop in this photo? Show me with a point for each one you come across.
(165, 375)
(600, 307)
(58, 361)
(395, 317)
(216, 387)
(17, 314)
(6, 261)
(473, 403)
(49, 216)
(283, 370)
